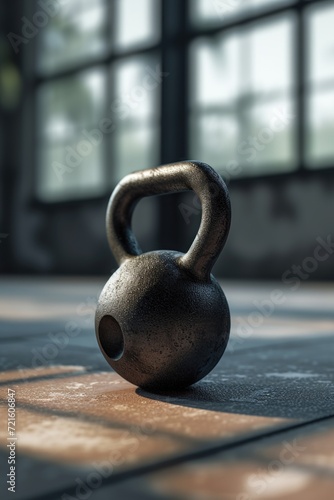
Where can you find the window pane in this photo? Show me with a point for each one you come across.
(77, 32)
(321, 43)
(319, 141)
(214, 138)
(61, 177)
(256, 60)
(71, 147)
(136, 88)
(219, 11)
(216, 70)
(137, 22)
(269, 135)
(135, 148)
(270, 62)
(261, 138)
(71, 103)
(239, 78)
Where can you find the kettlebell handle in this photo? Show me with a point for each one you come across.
(187, 175)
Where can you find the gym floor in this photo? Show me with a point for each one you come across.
(261, 425)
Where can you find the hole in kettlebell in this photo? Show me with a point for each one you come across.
(111, 337)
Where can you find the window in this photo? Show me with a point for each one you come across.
(97, 96)
(258, 97)
(249, 113)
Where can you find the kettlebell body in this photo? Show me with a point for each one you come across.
(162, 320)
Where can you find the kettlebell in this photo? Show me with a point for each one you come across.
(162, 320)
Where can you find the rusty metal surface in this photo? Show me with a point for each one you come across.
(162, 320)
